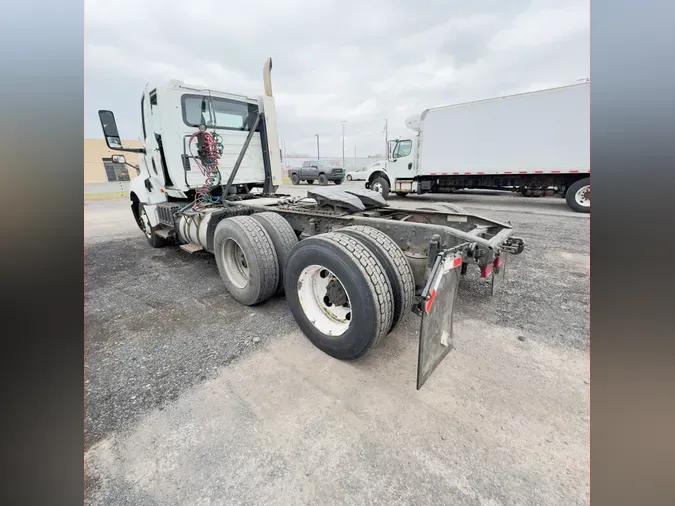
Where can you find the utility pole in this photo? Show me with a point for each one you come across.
(386, 138)
(343, 142)
(318, 157)
(355, 156)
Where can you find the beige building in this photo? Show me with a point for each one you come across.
(98, 165)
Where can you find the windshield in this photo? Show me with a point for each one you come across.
(322, 163)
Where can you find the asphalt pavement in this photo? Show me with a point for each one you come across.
(194, 399)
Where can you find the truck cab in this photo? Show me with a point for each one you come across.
(172, 161)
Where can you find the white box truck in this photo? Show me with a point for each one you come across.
(535, 143)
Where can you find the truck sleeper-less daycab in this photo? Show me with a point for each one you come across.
(531, 142)
(352, 268)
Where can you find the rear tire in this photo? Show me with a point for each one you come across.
(348, 264)
(310, 181)
(349, 178)
(246, 258)
(380, 185)
(283, 237)
(578, 196)
(338, 181)
(395, 265)
(323, 179)
(295, 179)
(148, 230)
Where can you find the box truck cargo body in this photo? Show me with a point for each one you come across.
(537, 143)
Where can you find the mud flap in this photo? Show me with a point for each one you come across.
(438, 302)
(498, 271)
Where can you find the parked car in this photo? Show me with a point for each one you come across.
(317, 170)
(359, 174)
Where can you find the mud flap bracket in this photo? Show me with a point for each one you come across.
(437, 306)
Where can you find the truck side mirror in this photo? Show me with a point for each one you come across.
(109, 125)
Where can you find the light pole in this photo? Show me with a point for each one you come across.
(318, 157)
(343, 142)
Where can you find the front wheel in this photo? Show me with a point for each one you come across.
(295, 179)
(323, 180)
(578, 196)
(380, 185)
(148, 230)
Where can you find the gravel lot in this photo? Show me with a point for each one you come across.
(194, 399)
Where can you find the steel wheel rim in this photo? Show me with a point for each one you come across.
(235, 263)
(147, 229)
(330, 319)
(377, 187)
(583, 196)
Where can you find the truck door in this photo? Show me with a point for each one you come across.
(151, 158)
(401, 160)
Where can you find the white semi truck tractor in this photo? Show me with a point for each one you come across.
(352, 267)
(537, 143)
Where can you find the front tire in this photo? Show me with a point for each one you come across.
(578, 196)
(380, 185)
(323, 179)
(246, 259)
(295, 179)
(339, 294)
(148, 230)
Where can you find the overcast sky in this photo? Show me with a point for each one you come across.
(359, 61)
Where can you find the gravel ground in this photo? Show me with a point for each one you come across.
(192, 398)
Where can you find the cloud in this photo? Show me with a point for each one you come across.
(333, 60)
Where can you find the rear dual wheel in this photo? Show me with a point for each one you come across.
(251, 253)
(348, 289)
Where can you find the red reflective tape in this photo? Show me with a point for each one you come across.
(455, 173)
(432, 296)
(481, 172)
(499, 261)
(467, 173)
(574, 171)
(508, 172)
(486, 271)
(523, 172)
(456, 262)
(538, 171)
(555, 172)
(444, 173)
(433, 173)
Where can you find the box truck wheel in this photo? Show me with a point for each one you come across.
(380, 185)
(395, 265)
(148, 230)
(339, 294)
(295, 179)
(283, 237)
(246, 258)
(578, 196)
